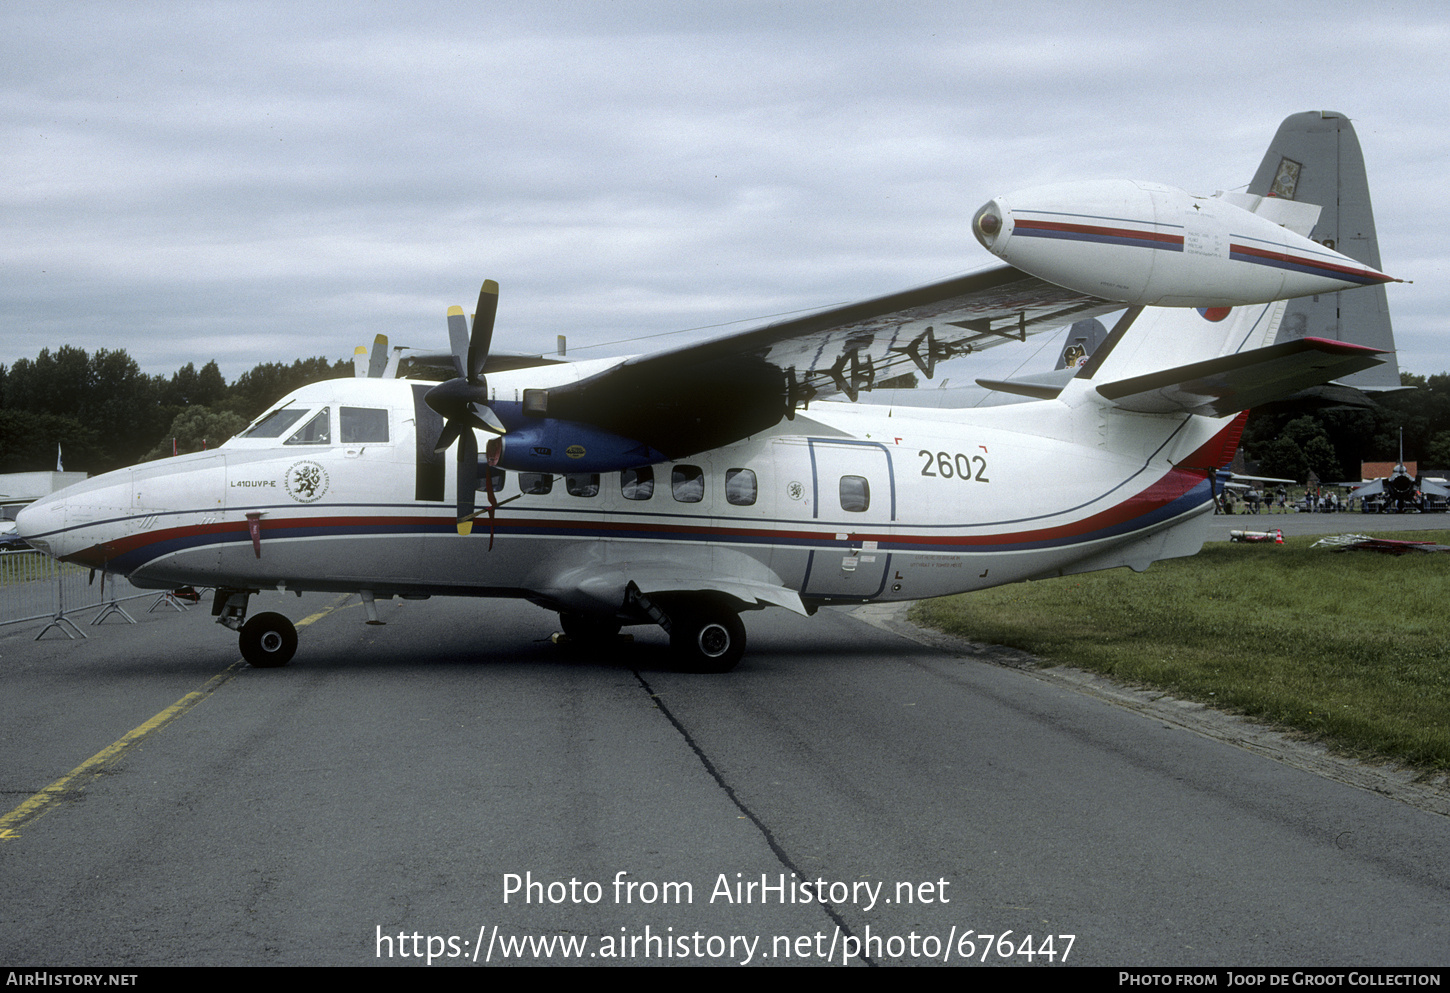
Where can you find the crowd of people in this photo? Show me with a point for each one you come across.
(1276, 501)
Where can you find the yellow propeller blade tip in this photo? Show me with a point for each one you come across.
(489, 286)
(465, 527)
(455, 311)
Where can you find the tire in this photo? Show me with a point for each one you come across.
(268, 640)
(707, 639)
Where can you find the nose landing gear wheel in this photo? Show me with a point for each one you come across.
(268, 640)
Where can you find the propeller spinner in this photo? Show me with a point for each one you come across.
(462, 402)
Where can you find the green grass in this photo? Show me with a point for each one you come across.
(1348, 648)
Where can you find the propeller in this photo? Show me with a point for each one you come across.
(462, 402)
(379, 358)
(379, 363)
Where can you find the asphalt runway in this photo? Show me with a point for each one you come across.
(396, 790)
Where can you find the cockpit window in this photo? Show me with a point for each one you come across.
(276, 422)
(363, 425)
(315, 431)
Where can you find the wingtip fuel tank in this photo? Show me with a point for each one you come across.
(1143, 244)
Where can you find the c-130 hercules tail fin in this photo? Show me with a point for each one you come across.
(1315, 158)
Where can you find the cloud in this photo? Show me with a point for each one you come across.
(257, 182)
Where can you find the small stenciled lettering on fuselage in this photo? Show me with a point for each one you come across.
(254, 483)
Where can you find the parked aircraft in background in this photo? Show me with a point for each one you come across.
(683, 487)
(1401, 491)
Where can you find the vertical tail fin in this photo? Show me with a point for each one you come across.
(1315, 158)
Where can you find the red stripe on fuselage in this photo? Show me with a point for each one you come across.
(1173, 485)
(1099, 230)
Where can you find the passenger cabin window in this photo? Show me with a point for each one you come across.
(364, 425)
(637, 484)
(855, 494)
(497, 476)
(687, 482)
(275, 423)
(535, 483)
(314, 432)
(582, 484)
(740, 487)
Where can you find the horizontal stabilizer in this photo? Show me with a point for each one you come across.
(1222, 386)
(1042, 387)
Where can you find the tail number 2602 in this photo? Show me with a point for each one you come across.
(954, 465)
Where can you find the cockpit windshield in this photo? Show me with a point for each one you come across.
(275, 423)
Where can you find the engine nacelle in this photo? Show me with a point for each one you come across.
(1151, 245)
(553, 445)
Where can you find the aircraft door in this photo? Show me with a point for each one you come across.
(853, 507)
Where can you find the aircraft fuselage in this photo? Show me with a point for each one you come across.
(843, 504)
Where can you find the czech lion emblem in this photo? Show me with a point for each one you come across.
(306, 482)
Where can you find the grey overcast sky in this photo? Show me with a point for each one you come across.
(257, 181)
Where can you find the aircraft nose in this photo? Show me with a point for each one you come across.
(43, 517)
(72, 522)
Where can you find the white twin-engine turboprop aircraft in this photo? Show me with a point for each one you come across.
(683, 487)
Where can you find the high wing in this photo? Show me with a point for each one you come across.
(709, 394)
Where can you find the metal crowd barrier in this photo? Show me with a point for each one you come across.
(34, 586)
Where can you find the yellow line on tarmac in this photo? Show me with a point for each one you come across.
(39, 804)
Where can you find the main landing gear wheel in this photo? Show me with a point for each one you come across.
(707, 639)
(268, 640)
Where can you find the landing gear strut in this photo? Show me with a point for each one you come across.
(706, 633)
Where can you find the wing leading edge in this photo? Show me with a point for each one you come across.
(712, 393)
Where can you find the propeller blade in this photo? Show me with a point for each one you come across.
(379, 359)
(450, 433)
(482, 336)
(467, 480)
(486, 420)
(360, 361)
(458, 339)
(462, 402)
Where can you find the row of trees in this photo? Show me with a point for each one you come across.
(104, 412)
(1290, 440)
